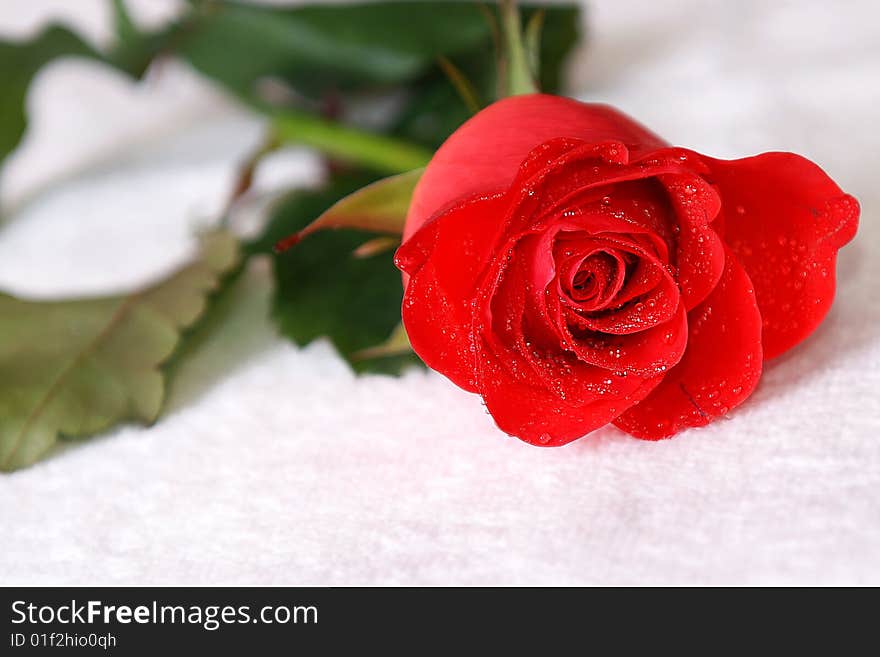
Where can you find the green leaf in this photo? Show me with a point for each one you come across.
(323, 288)
(124, 26)
(19, 62)
(343, 47)
(434, 108)
(461, 84)
(74, 368)
(389, 357)
(312, 48)
(396, 344)
(379, 207)
(134, 49)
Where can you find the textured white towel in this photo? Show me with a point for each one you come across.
(275, 465)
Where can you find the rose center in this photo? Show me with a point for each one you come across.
(585, 282)
(596, 278)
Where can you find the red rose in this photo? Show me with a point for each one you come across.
(574, 269)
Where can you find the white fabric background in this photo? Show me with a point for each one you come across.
(274, 465)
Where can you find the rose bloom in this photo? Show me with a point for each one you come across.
(574, 269)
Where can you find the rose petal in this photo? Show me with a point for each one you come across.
(785, 219)
(609, 167)
(720, 368)
(515, 296)
(700, 253)
(545, 155)
(597, 179)
(643, 277)
(646, 353)
(445, 260)
(574, 402)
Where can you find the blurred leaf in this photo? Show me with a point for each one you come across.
(461, 84)
(313, 47)
(379, 207)
(324, 289)
(134, 49)
(434, 109)
(390, 357)
(123, 25)
(74, 368)
(396, 344)
(348, 47)
(19, 62)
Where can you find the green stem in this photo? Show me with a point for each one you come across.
(378, 152)
(520, 79)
